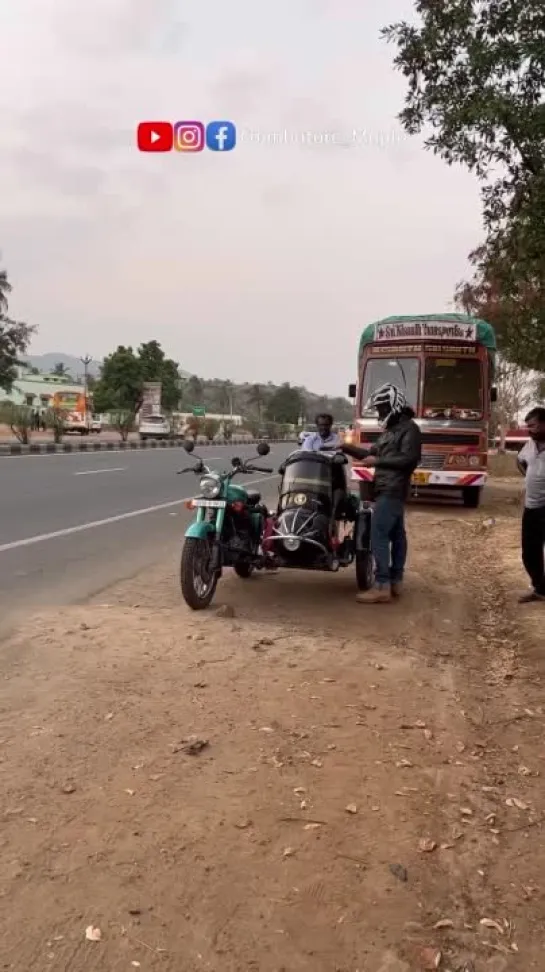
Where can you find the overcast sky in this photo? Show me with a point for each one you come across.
(259, 264)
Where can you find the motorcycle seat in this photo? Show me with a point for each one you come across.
(253, 497)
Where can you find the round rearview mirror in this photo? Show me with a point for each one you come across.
(263, 449)
(189, 445)
(236, 462)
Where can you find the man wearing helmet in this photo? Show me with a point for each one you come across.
(394, 458)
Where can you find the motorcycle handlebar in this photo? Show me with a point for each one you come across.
(263, 469)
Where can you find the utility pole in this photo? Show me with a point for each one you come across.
(86, 361)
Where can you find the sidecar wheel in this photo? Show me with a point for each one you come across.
(364, 570)
(243, 570)
(197, 582)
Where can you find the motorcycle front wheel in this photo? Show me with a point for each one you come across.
(197, 580)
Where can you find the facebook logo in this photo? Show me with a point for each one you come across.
(221, 136)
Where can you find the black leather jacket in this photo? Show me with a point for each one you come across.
(398, 451)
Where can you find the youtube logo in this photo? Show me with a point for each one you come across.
(155, 136)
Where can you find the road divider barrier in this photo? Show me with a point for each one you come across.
(65, 448)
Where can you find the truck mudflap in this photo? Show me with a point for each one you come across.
(452, 479)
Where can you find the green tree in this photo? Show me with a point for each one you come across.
(194, 391)
(476, 81)
(14, 337)
(285, 405)
(61, 370)
(155, 366)
(513, 304)
(257, 399)
(226, 398)
(120, 384)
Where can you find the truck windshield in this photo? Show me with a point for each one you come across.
(453, 385)
(402, 372)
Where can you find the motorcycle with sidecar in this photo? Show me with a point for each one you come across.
(319, 524)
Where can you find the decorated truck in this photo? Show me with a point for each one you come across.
(445, 364)
(76, 411)
(152, 422)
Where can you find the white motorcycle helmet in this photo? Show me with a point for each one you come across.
(387, 396)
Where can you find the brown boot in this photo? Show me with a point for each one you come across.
(380, 594)
(396, 588)
(530, 597)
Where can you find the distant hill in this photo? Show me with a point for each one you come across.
(212, 393)
(46, 363)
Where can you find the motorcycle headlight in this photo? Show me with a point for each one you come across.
(210, 487)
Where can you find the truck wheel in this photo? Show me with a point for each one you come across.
(471, 496)
(197, 581)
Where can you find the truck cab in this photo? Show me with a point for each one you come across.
(444, 364)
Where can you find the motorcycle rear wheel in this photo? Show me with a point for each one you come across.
(197, 590)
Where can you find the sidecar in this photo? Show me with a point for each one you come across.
(318, 523)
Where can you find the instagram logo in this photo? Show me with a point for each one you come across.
(189, 136)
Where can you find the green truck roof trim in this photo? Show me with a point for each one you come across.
(485, 332)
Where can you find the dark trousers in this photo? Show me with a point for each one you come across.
(389, 540)
(533, 542)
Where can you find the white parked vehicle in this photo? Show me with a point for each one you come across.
(154, 427)
(95, 427)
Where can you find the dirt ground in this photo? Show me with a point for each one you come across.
(371, 797)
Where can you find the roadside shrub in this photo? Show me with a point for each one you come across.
(123, 422)
(19, 419)
(53, 420)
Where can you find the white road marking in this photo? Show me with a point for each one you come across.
(81, 527)
(97, 472)
(113, 452)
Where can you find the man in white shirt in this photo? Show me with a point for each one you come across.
(531, 463)
(324, 437)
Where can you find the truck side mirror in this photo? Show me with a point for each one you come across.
(351, 391)
(493, 395)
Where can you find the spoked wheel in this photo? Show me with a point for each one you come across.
(197, 579)
(364, 570)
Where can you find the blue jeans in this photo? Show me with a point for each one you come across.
(389, 540)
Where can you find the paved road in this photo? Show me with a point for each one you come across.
(72, 524)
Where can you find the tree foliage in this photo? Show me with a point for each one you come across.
(285, 405)
(155, 366)
(476, 82)
(14, 337)
(61, 370)
(511, 302)
(124, 372)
